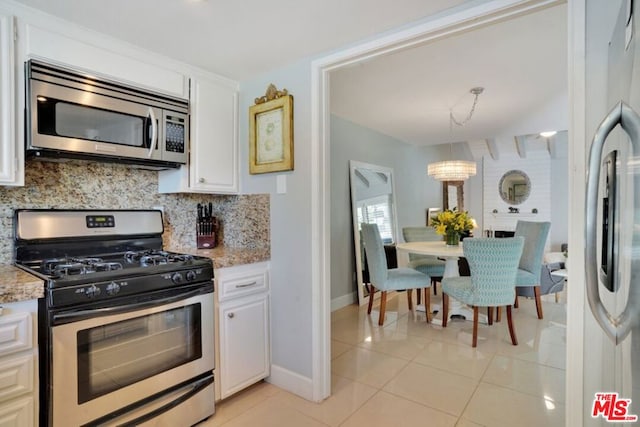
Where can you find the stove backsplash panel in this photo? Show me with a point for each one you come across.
(244, 219)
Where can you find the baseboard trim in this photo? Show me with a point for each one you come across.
(343, 301)
(291, 382)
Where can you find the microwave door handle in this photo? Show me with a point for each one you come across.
(616, 328)
(154, 132)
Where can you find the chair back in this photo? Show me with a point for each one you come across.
(493, 264)
(420, 234)
(535, 238)
(376, 259)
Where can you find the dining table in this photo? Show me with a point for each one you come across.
(450, 254)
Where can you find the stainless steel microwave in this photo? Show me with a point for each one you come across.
(73, 115)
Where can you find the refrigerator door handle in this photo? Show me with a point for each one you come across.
(617, 328)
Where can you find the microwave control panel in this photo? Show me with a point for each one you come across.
(175, 134)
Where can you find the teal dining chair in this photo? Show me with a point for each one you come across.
(426, 264)
(493, 266)
(535, 238)
(389, 279)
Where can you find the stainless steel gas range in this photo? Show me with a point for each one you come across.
(126, 328)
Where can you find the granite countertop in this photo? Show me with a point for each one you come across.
(223, 256)
(18, 285)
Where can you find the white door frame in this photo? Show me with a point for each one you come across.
(462, 18)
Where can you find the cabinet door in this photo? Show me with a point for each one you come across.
(214, 136)
(244, 343)
(18, 412)
(9, 173)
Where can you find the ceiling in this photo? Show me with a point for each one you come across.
(521, 63)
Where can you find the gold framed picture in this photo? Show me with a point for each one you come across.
(271, 136)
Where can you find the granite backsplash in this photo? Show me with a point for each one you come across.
(244, 219)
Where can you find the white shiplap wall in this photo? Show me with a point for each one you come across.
(538, 167)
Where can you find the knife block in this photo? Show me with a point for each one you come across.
(206, 241)
(206, 233)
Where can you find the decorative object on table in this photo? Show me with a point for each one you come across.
(493, 265)
(452, 224)
(206, 227)
(456, 170)
(513, 210)
(271, 132)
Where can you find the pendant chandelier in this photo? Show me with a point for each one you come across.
(456, 170)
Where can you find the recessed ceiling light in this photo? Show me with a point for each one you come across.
(548, 133)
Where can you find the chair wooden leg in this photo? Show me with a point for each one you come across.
(475, 327)
(512, 331)
(490, 315)
(427, 304)
(372, 290)
(515, 303)
(435, 288)
(536, 293)
(383, 306)
(410, 298)
(498, 314)
(418, 296)
(556, 294)
(445, 309)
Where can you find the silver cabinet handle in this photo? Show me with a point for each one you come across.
(246, 285)
(619, 327)
(230, 315)
(154, 132)
(201, 180)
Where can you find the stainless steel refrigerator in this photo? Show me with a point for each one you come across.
(612, 231)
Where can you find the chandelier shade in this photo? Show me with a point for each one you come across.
(451, 170)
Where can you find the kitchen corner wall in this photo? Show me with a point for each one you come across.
(244, 219)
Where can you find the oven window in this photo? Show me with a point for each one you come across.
(60, 118)
(115, 355)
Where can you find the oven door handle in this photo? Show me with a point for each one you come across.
(75, 316)
(197, 388)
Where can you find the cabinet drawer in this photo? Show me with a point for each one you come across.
(15, 333)
(235, 282)
(16, 376)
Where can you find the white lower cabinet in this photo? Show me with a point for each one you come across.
(243, 327)
(18, 365)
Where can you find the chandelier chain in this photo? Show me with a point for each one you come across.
(466, 119)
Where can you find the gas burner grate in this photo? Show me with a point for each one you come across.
(59, 267)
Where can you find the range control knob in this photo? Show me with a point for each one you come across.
(191, 275)
(92, 291)
(177, 278)
(113, 288)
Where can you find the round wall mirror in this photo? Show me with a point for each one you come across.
(514, 187)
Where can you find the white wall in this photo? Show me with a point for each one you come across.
(549, 191)
(415, 192)
(291, 300)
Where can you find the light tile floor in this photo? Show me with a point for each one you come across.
(410, 373)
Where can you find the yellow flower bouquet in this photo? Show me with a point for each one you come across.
(452, 224)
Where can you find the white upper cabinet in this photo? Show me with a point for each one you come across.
(213, 159)
(11, 157)
(88, 51)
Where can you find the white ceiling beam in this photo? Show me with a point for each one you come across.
(552, 147)
(493, 148)
(521, 146)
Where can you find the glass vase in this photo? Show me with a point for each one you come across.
(452, 238)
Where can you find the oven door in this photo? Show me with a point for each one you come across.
(109, 362)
